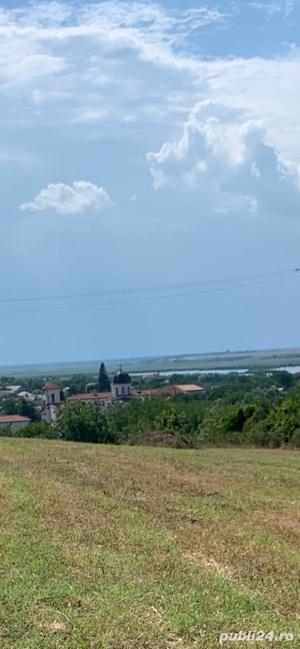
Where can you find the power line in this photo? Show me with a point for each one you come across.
(239, 283)
(149, 289)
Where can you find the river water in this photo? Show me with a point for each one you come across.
(292, 370)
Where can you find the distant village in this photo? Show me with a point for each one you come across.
(48, 401)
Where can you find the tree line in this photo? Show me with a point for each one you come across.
(259, 409)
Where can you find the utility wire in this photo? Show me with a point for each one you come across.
(150, 289)
(239, 284)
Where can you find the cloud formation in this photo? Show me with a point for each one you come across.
(146, 28)
(66, 63)
(63, 66)
(275, 7)
(225, 157)
(69, 199)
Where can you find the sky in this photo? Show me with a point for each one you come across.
(149, 178)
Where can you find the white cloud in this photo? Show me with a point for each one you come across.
(225, 158)
(289, 6)
(119, 21)
(15, 157)
(235, 202)
(70, 62)
(30, 68)
(208, 140)
(40, 97)
(90, 115)
(50, 50)
(266, 90)
(275, 8)
(67, 62)
(76, 57)
(36, 14)
(69, 199)
(43, 33)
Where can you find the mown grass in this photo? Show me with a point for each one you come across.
(137, 548)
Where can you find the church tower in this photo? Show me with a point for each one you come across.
(52, 394)
(121, 387)
(53, 402)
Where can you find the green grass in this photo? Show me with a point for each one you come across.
(134, 548)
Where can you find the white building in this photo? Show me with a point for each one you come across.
(14, 389)
(28, 396)
(121, 387)
(52, 400)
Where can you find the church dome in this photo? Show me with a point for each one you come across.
(121, 378)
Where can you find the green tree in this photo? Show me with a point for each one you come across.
(83, 423)
(103, 380)
(17, 406)
(10, 406)
(26, 409)
(37, 429)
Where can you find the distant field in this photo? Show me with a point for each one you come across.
(253, 360)
(136, 548)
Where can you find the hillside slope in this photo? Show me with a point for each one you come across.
(132, 548)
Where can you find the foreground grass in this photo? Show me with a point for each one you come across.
(133, 548)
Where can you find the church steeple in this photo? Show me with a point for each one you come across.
(121, 388)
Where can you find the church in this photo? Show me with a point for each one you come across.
(121, 391)
(121, 387)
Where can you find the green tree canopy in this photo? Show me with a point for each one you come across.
(83, 423)
(103, 380)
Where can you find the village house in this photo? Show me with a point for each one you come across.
(13, 422)
(92, 397)
(13, 389)
(170, 390)
(27, 396)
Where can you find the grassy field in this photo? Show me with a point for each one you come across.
(137, 548)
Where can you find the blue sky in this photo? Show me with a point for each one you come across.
(146, 147)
